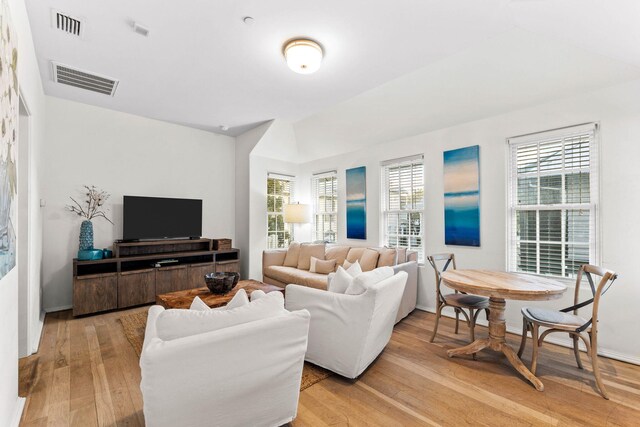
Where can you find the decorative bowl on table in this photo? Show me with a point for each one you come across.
(221, 283)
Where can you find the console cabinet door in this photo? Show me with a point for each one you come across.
(136, 287)
(171, 279)
(197, 272)
(93, 293)
(228, 266)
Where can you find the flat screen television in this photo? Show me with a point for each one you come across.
(152, 218)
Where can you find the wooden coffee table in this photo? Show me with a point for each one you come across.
(183, 299)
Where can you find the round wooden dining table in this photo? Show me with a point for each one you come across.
(500, 286)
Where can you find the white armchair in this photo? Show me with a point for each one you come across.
(347, 332)
(248, 374)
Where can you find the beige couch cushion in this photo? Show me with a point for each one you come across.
(290, 275)
(355, 254)
(307, 250)
(388, 257)
(293, 254)
(339, 253)
(321, 266)
(402, 255)
(369, 259)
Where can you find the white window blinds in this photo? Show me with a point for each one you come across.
(553, 201)
(325, 206)
(279, 193)
(403, 203)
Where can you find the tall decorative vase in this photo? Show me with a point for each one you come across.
(86, 235)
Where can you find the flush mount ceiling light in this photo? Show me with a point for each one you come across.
(303, 56)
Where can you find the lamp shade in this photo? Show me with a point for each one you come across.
(297, 213)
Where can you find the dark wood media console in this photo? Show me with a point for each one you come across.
(132, 276)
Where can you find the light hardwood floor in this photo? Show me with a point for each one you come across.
(86, 374)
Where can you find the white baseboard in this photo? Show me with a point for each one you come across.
(35, 345)
(611, 354)
(61, 308)
(18, 413)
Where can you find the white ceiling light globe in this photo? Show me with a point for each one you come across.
(303, 56)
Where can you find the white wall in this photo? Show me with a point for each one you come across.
(245, 143)
(270, 147)
(125, 155)
(31, 90)
(618, 111)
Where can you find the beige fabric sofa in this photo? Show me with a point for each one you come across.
(276, 271)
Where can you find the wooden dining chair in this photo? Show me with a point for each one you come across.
(459, 301)
(567, 322)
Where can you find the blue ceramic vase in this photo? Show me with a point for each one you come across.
(86, 235)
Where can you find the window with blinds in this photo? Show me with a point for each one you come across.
(325, 206)
(279, 193)
(403, 203)
(553, 201)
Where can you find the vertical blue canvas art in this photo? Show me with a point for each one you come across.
(8, 140)
(462, 196)
(357, 203)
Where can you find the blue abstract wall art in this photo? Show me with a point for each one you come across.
(462, 196)
(357, 203)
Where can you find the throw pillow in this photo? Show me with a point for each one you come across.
(322, 266)
(238, 300)
(369, 259)
(257, 294)
(340, 281)
(337, 252)
(199, 305)
(355, 254)
(173, 324)
(402, 255)
(388, 257)
(293, 253)
(353, 269)
(360, 283)
(307, 250)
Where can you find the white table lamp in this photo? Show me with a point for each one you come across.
(297, 213)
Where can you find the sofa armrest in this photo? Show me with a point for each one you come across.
(273, 257)
(412, 256)
(410, 295)
(338, 328)
(151, 332)
(180, 376)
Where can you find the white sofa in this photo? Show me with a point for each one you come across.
(243, 375)
(275, 272)
(347, 332)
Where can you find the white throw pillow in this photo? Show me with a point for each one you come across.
(361, 282)
(354, 269)
(340, 281)
(257, 294)
(238, 300)
(173, 324)
(199, 305)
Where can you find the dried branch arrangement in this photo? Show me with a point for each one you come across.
(92, 206)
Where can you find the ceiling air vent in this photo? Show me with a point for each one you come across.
(83, 79)
(69, 24)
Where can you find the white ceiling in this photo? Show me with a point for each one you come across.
(203, 67)
(509, 72)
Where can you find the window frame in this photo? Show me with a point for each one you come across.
(385, 210)
(287, 227)
(317, 212)
(512, 207)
